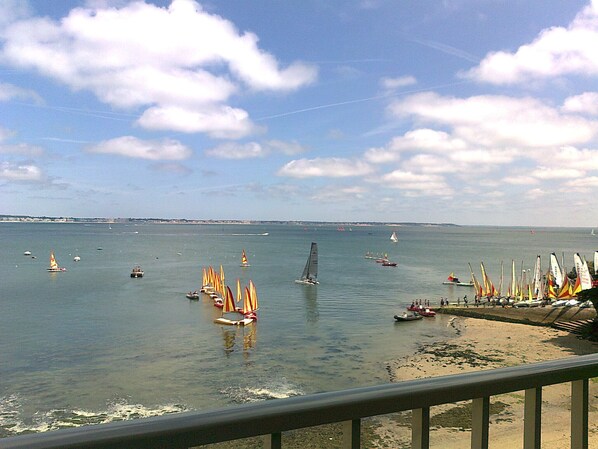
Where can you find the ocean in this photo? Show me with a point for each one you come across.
(93, 345)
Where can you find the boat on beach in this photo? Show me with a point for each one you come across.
(137, 272)
(310, 272)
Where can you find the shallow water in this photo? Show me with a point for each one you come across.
(93, 345)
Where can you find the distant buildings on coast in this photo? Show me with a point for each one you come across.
(45, 219)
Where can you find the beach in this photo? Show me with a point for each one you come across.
(481, 344)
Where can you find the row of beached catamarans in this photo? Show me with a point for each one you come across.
(538, 287)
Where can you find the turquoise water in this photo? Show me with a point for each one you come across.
(93, 345)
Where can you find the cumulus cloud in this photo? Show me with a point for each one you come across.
(20, 172)
(557, 51)
(325, 168)
(155, 150)
(237, 150)
(586, 102)
(417, 184)
(181, 63)
(494, 120)
(396, 83)
(233, 150)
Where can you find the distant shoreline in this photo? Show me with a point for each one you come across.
(46, 219)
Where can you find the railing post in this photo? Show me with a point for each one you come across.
(351, 434)
(273, 441)
(579, 414)
(480, 419)
(420, 428)
(532, 419)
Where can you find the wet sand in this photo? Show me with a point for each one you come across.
(480, 344)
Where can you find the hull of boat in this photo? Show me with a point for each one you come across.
(459, 284)
(306, 282)
(408, 317)
(227, 322)
(194, 297)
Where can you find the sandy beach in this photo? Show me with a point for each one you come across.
(482, 344)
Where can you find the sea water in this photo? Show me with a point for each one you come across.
(93, 345)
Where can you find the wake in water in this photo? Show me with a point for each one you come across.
(12, 423)
(269, 390)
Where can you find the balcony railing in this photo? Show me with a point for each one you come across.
(271, 418)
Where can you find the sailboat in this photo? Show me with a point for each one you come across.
(54, 268)
(248, 312)
(394, 238)
(310, 272)
(244, 261)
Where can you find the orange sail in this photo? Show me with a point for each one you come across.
(244, 261)
(229, 301)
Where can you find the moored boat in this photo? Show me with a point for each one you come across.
(137, 272)
(405, 316)
(193, 295)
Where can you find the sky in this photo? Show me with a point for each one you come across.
(473, 112)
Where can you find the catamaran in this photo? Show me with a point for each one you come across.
(54, 268)
(244, 316)
(310, 272)
(244, 261)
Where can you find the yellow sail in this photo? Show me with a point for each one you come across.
(244, 261)
(53, 263)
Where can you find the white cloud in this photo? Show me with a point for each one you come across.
(395, 83)
(237, 150)
(588, 182)
(221, 122)
(417, 184)
(288, 148)
(555, 52)
(20, 172)
(156, 150)
(337, 194)
(497, 121)
(324, 167)
(586, 102)
(9, 91)
(180, 61)
(556, 173)
(233, 150)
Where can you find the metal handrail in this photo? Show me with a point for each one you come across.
(190, 429)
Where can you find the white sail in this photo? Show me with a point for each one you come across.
(555, 270)
(581, 267)
(538, 286)
(596, 263)
(394, 237)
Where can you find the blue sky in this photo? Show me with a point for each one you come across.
(462, 111)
